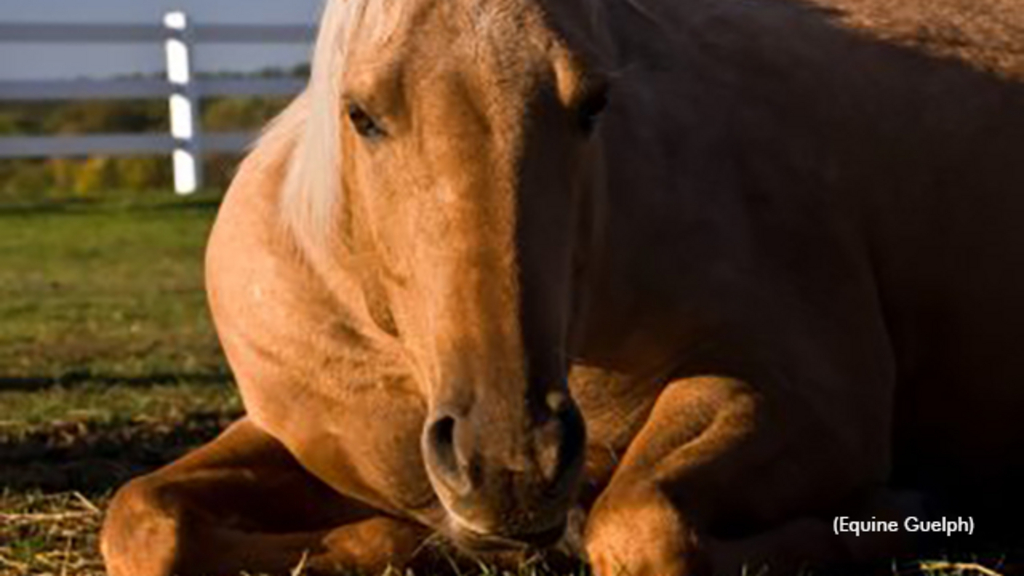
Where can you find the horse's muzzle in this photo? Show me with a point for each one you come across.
(505, 479)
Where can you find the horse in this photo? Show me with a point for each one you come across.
(666, 284)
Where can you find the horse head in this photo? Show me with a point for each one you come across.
(456, 143)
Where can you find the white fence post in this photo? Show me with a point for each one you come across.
(184, 105)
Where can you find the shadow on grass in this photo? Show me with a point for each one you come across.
(94, 458)
(36, 383)
(192, 205)
(154, 202)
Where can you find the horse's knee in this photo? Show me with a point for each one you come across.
(140, 535)
(640, 533)
(371, 546)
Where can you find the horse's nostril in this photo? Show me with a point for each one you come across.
(442, 455)
(443, 431)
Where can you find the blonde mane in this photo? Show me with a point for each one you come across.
(310, 127)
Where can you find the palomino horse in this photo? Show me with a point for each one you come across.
(710, 273)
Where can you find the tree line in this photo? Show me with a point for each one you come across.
(92, 177)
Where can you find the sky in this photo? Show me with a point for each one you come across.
(39, 61)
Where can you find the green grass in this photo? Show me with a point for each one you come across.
(105, 290)
(109, 364)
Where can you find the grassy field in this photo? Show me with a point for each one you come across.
(109, 367)
(105, 291)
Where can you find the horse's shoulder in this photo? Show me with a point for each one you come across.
(248, 231)
(265, 282)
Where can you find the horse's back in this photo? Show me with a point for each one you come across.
(898, 124)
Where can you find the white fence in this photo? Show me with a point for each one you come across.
(186, 141)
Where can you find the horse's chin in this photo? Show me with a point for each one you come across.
(466, 538)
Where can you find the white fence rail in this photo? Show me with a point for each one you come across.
(24, 147)
(186, 141)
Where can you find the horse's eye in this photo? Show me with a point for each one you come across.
(364, 124)
(589, 111)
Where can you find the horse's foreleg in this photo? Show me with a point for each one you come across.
(242, 503)
(715, 480)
